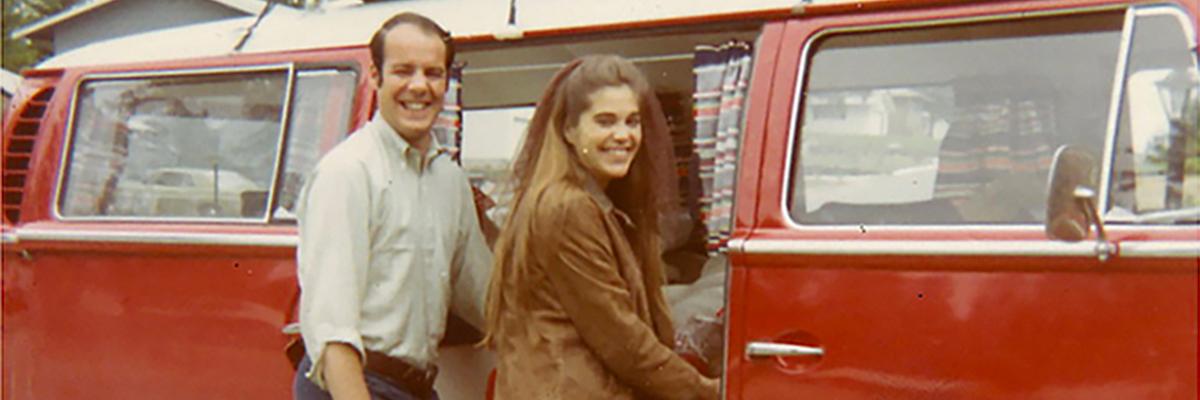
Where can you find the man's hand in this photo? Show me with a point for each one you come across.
(482, 204)
(343, 371)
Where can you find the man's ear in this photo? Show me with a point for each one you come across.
(375, 77)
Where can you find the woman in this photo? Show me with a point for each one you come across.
(575, 306)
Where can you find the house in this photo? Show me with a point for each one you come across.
(97, 20)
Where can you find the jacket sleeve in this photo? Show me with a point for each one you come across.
(581, 266)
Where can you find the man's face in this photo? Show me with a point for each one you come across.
(412, 82)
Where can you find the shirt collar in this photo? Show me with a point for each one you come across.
(593, 188)
(394, 142)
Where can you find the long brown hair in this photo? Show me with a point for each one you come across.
(547, 159)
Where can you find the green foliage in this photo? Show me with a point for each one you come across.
(292, 3)
(24, 53)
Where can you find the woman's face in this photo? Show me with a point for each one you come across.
(608, 133)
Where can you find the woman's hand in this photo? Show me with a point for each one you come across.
(712, 388)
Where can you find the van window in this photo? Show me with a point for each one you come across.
(1157, 169)
(948, 124)
(320, 110)
(197, 146)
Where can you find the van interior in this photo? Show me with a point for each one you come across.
(502, 83)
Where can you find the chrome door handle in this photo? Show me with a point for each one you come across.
(769, 349)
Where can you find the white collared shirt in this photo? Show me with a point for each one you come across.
(388, 240)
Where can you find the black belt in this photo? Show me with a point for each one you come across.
(416, 381)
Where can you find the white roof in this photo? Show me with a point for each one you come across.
(9, 81)
(353, 24)
(251, 7)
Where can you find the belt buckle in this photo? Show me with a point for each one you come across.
(429, 374)
(425, 377)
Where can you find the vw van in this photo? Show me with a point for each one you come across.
(900, 199)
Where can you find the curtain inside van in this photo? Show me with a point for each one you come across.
(722, 78)
(448, 127)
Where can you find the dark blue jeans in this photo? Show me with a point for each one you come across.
(380, 388)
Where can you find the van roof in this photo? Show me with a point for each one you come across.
(353, 24)
(9, 82)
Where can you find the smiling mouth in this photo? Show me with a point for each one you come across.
(618, 150)
(415, 105)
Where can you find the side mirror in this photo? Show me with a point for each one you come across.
(1070, 203)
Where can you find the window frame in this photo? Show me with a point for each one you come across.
(1120, 91)
(289, 70)
(278, 182)
(810, 46)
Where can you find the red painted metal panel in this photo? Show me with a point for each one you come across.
(144, 322)
(997, 326)
(94, 316)
(763, 80)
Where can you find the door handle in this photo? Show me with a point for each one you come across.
(770, 349)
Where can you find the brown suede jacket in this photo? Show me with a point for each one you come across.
(583, 321)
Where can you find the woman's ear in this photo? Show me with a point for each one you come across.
(570, 135)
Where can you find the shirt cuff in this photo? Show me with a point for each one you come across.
(316, 343)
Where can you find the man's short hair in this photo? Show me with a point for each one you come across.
(421, 22)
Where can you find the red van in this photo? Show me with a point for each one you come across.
(888, 199)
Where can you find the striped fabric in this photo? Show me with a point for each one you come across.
(448, 127)
(722, 78)
(991, 140)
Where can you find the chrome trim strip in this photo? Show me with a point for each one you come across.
(1014, 248)
(1160, 249)
(1112, 126)
(726, 331)
(166, 238)
(806, 54)
(8, 238)
(734, 246)
(285, 127)
(67, 144)
(1131, 18)
(919, 248)
(769, 349)
(1172, 10)
(788, 169)
(69, 139)
(1112, 226)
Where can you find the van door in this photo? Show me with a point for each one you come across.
(160, 263)
(901, 253)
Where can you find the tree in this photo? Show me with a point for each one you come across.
(25, 52)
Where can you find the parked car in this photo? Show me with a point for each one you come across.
(187, 192)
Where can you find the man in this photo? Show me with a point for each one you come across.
(388, 234)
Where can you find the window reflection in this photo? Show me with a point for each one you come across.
(951, 124)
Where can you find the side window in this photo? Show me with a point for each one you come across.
(950, 124)
(131, 134)
(205, 145)
(320, 110)
(1156, 172)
